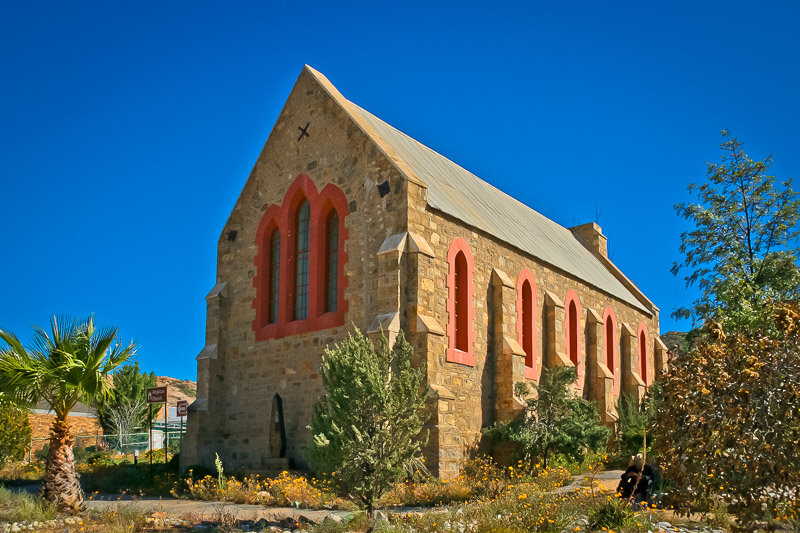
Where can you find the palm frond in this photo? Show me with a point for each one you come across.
(66, 365)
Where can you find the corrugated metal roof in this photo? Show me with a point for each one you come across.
(461, 194)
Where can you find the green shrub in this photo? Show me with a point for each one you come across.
(614, 513)
(634, 420)
(121, 478)
(366, 428)
(553, 422)
(15, 433)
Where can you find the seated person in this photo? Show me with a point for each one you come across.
(636, 480)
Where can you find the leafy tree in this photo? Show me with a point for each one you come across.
(127, 409)
(367, 426)
(634, 419)
(554, 420)
(729, 428)
(67, 366)
(740, 252)
(15, 432)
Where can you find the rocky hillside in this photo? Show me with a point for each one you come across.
(675, 341)
(177, 389)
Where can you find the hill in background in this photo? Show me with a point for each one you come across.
(676, 341)
(177, 389)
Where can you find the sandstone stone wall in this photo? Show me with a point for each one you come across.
(239, 376)
(468, 398)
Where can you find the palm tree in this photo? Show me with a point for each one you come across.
(68, 366)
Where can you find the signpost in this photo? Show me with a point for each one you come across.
(156, 395)
(183, 410)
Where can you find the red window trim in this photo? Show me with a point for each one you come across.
(531, 360)
(610, 317)
(572, 297)
(455, 355)
(642, 332)
(283, 217)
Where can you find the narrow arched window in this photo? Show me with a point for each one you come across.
(460, 308)
(610, 345)
(527, 323)
(332, 262)
(643, 356)
(302, 262)
(462, 303)
(572, 333)
(274, 275)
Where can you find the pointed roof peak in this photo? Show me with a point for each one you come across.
(357, 116)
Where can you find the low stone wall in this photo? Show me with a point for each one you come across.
(79, 425)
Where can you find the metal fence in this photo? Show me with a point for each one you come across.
(128, 444)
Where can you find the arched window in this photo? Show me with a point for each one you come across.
(332, 262)
(526, 321)
(572, 333)
(460, 308)
(274, 275)
(612, 358)
(572, 308)
(302, 260)
(461, 303)
(643, 353)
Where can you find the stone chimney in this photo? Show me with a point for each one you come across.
(591, 235)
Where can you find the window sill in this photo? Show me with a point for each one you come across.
(454, 355)
(304, 325)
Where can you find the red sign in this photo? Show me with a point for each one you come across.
(183, 408)
(157, 395)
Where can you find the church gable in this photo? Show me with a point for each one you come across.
(315, 153)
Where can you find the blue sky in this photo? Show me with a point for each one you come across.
(128, 129)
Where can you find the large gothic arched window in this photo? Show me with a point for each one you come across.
(300, 259)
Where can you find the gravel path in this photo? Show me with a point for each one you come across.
(177, 508)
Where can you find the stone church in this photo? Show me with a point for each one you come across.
(346, 221)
